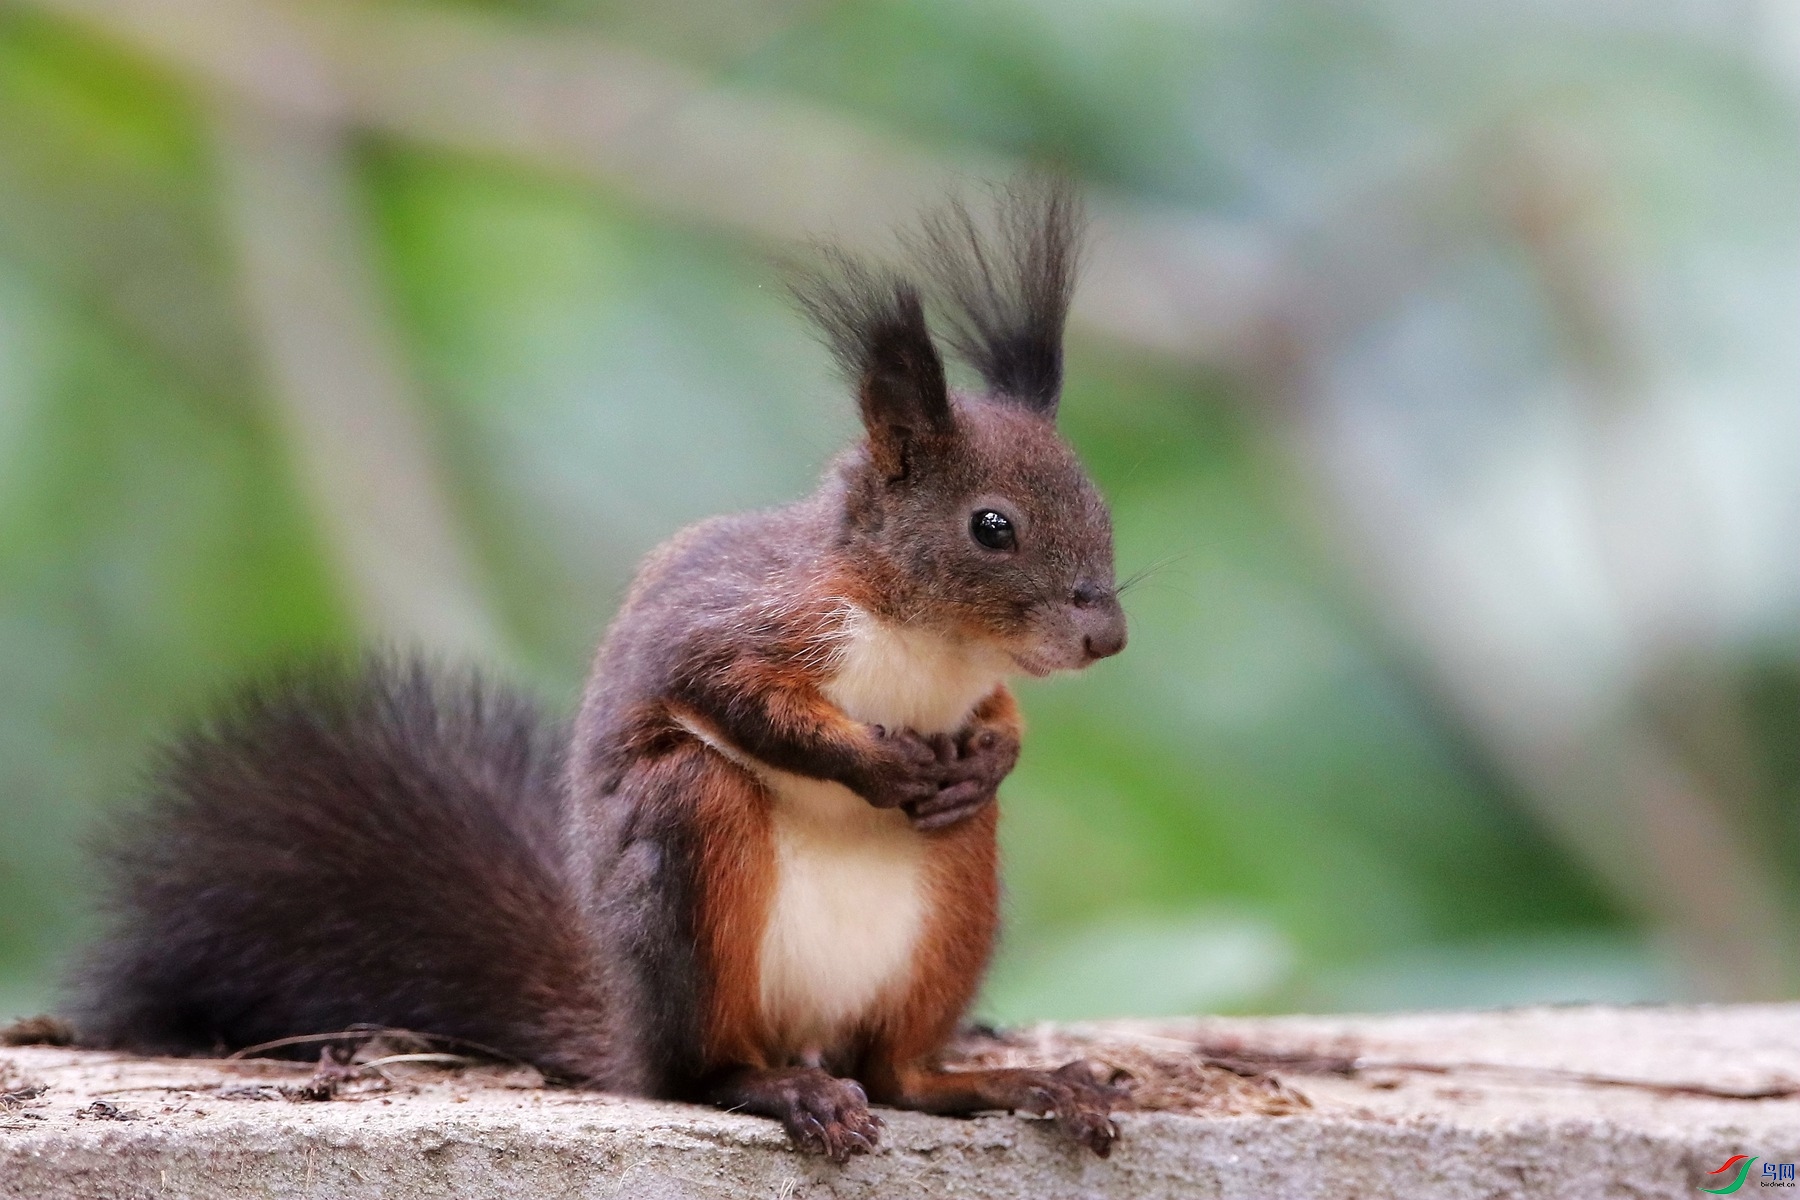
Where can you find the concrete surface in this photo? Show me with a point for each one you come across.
(1564, 1102)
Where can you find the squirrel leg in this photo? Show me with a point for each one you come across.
(1079, 1096)
(675, 856)
(821, 1113)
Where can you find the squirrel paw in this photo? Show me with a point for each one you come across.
(830, 1116)
(908, 769)
(1076, 1096)
(972, 765)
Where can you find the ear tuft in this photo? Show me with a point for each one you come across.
(874, 323)
(1007, 288)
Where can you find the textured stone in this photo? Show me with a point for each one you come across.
(1535, 1102)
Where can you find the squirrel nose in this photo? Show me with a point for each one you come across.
(1101, 621)
(1105, 644)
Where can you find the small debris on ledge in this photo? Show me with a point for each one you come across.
(1163, 1074)
(40, 1030)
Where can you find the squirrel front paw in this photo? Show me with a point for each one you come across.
(939, 780)
(905, 769)
(973, 764)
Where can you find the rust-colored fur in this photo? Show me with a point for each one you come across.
(735, 860)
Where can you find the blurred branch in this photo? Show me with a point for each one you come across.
(1191, 289)
(341, 393)
(132, 253)
(1588, 759)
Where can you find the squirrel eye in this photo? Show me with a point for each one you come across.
(993, 530)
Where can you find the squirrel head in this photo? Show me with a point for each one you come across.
(967, 511)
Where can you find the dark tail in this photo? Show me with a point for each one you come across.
(372, 847)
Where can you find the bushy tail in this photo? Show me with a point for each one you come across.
(367, 847)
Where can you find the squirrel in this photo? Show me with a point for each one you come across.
(758, 869)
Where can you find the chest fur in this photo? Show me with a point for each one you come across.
(852, 882)
(909, 678)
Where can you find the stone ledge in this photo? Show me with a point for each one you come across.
(1560, 1102)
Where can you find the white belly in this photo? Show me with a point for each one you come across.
(847, 911)
(850, 898)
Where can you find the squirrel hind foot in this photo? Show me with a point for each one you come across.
(822, 1113)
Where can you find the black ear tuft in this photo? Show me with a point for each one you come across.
(874, 323)
(1007, 289)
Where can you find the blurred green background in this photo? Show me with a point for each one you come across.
(1441, 362)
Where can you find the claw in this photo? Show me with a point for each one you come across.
(808, 1132)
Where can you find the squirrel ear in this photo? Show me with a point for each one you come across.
(1007, 283)
(875, 325)
(902, 395)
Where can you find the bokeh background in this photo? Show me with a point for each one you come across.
(1442, 362)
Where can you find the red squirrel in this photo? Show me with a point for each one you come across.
(759, 868)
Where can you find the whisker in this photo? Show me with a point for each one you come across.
(1155, 568)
